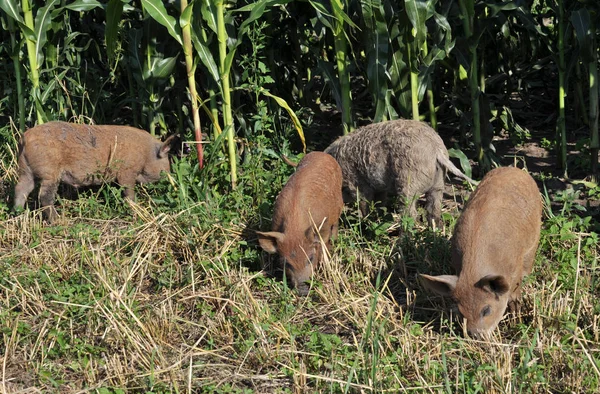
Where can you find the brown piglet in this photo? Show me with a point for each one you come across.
(493, 248)
(310, 200)
(84, 155)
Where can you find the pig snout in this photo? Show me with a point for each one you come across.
(299, 271)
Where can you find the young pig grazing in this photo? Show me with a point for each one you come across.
(400, 157)
(83, 155)
(311, 197)
(493, 248)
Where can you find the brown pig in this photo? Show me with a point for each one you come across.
(83, 155)
(493, 248)
(312, 197)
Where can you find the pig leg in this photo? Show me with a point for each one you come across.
(367, 195)
(47, 196)
(334, 230)
(409, 201)
(23, 188)
(128, 187)
(513, 300)
(529, 259)
(129, 193)
(351, 194)
(433, 200)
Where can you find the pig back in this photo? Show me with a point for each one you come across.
(387, 156)
(75, 152)
(500, 225)
(315, 187)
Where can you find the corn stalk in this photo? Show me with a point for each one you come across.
(225, 60)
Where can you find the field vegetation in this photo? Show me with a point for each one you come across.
(171, 293)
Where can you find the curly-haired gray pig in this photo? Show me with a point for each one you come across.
(83, 155)
(311, 199)
(493, 248)
(399, 157)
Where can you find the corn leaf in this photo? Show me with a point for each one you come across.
(114, 11)
(418, 12)
(206, 58)
(580, 19)
(84, 5)
(158, 12)
(186, 16)
(11, 7)
(43, 23)
(464, 161)
(160, 68)
(209, 14)
(257, 9)
(282, 103)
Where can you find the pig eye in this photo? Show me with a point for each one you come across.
(486, 311)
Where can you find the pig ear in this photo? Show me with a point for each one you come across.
(443, 285)
(165, 147)
(268, 241)
(495, 284)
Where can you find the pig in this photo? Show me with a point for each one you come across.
(84, 155)
(311, 199)
(493, 248)
(399, 157)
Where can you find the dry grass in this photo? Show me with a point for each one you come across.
(157, 303)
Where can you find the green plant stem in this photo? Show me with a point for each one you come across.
(190, 68)
(339, 37)
(562, 129)
(32, 55)
(224, 72)
(414, 81)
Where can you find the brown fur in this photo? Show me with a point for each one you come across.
(493, 248)
(311, 197)
(83, 155)
(400, 157)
